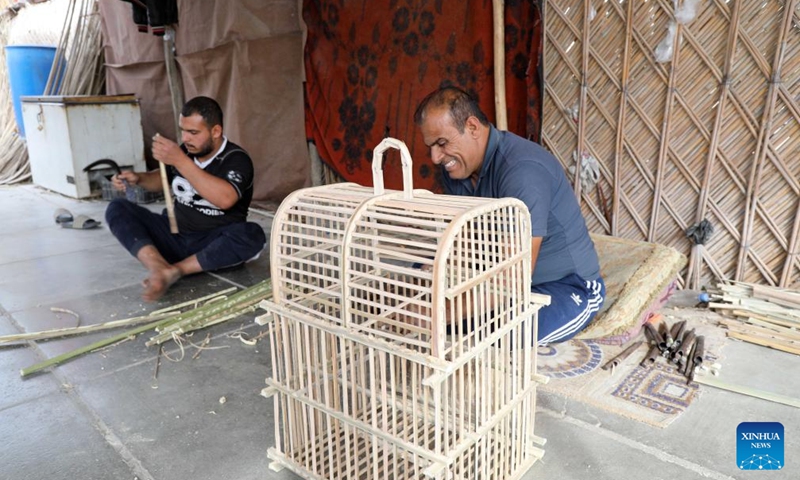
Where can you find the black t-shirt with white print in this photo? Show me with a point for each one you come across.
(196, 214)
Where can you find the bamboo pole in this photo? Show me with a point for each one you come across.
(55, 76)
(498, 15)
(580, 147)
(763, 144)
(88, 50)
(546, 90)
(792, 104)
(624, 97)
(793, 252)
(176, 95)
(74, 47)
(80, 43)
(173, 78)
(696, 259)
(664, 138)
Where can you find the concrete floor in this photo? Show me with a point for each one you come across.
(104, 416)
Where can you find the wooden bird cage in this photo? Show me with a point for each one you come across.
(692, 111)
(403, 333)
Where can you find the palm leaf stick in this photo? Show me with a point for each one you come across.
(209, 321)
(254, 293)
(257, 291)
(206, 318)
(194, 302)
(198, 315)
(251, 308)
(245, 298)
(65, 332)
(205, 314)
(88, 348)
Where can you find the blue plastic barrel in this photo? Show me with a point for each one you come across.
(28, 69)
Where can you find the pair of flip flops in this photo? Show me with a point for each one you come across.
(64, 218)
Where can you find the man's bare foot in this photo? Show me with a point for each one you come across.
(159, 282)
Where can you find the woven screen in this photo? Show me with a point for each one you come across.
(691, 112)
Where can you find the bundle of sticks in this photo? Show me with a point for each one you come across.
(763, 315)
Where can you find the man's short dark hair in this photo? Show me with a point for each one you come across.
(208, 108)
(459, 103)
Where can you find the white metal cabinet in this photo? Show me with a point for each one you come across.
(67, 133)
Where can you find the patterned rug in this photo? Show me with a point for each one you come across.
(656, 394)
(569, 359)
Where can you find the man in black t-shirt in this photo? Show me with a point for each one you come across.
(212, 185)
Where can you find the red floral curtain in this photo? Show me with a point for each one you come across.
(369, 64)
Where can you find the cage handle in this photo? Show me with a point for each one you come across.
(377, 166)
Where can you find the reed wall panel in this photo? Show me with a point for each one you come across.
(712, 133)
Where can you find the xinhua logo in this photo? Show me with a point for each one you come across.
(759, 446)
